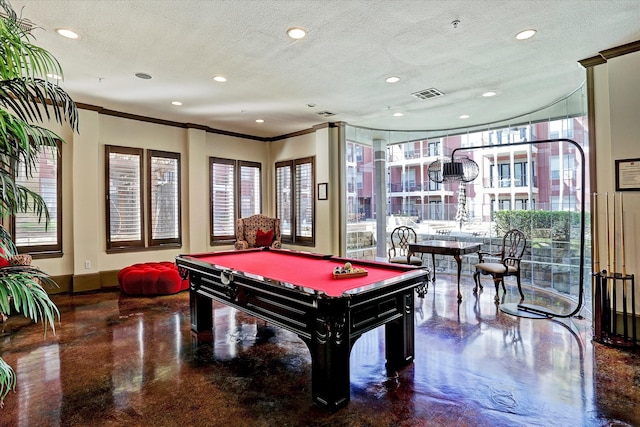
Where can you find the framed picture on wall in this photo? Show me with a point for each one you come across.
(322, 191)
(628, 175)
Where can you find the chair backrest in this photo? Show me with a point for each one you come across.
(400, 239)
(513, 245)
(247, 228)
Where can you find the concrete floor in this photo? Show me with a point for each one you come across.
(126, 361)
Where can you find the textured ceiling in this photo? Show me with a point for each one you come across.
(340, 67)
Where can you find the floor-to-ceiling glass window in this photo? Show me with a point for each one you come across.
(515, 184)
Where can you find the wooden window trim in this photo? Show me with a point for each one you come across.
(295, 238)
(174, 242)
(220, 239)
(238, 200)
(47, 251)
(126, 244)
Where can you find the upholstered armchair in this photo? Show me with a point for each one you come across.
(258, 231)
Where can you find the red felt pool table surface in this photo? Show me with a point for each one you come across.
(313, 272)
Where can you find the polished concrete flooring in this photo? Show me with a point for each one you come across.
(124, 361)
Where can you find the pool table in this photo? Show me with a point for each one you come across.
(298, 291)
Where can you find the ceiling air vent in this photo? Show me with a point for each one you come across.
(326, 113)
(427, 93)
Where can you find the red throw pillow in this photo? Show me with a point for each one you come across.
(4, 262)
(264, 238)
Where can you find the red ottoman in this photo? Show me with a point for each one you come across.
(151, 278)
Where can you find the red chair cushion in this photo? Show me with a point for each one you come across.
(151, 278)
(264, 238)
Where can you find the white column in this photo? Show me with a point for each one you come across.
(380, 159)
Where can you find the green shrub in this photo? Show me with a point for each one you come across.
(555, 225)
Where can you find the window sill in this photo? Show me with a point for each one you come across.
(125, 249)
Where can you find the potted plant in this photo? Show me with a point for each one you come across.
(27, 97)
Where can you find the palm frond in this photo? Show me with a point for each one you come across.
(29, 98)
(6, 243)
(20, 57)
(15, 198)
(25, 91)
(25, 292)
(21, 285)
(7, 380)
(22, 142)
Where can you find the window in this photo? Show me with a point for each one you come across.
(30, 234)
(505, 174)
(295, 204)
(554, 164)
(434, 148)
(250, 189)
(164, 198)
(236, 192)
(434, 186)
(435, 209)
(125, 212)
(284, 199)
(520, 174)
(124, 197)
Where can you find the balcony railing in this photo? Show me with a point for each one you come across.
(506, 182)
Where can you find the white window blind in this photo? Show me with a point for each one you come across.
(222, 198)
(283, 199)
(125, 194)
(304, 199)
(30, 232)
(164, 169)
(250, 189)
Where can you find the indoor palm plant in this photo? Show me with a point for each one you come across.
(29, 94)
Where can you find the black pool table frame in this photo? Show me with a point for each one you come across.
(328, 325)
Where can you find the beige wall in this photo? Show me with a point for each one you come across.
(323, 145)
(84, 229)
(617, 136)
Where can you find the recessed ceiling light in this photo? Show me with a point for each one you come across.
(489, 93)
(398, 114)
(259, 121)
(296, 33)
(54, 76)
(464, 116)
(176, 102)
(526, 34)
(67, 33)
(143, 76)
(220, 79)
(392, 79)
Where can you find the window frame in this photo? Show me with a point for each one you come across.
(47, 250)
(295, 237)
(237, 198)
(124, 244)
(176, 241)
(245, 163)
